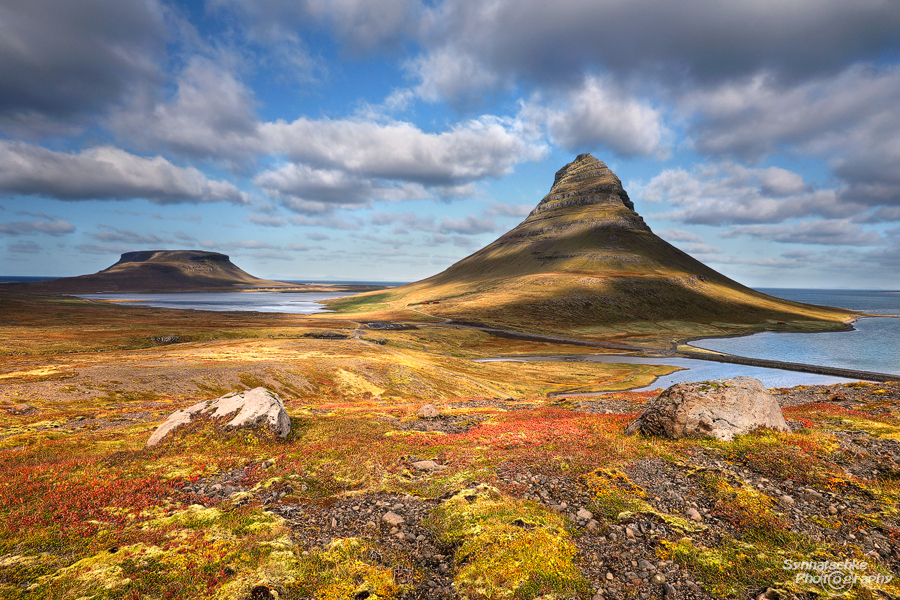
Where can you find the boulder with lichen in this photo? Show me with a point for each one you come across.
(250, 408)
(719, 409)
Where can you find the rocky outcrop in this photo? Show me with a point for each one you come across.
(428, 411)
(256, 407)
(720, 409)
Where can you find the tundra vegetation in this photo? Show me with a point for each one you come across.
(539, 498)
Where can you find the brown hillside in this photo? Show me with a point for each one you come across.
(160, 271)
(584, 260)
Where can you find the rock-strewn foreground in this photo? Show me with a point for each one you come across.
(488, 498)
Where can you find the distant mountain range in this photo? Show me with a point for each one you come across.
(584, 259)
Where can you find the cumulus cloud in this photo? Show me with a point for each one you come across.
(535, 41)
(598, 113)
(351, 162)
(61, 61)
(847, 119)
(828, 232)
(724, 193)
(105, 173)
(210, 115)
(469, 151)
(307, 190)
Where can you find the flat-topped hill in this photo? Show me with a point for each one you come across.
(161, 271)
(583, 261)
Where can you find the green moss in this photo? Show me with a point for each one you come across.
(345, 569)
(507, 548)
(616, 498)
(733, 566)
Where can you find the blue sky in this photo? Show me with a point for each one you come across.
(354, 140)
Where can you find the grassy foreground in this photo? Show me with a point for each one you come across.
(538, 499)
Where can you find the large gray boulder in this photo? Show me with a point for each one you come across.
(721, 409)
(254, 407)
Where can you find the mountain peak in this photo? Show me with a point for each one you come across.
(588, 179)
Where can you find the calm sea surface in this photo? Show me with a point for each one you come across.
(873, 346)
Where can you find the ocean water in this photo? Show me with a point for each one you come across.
(873, 345)
(303, 303)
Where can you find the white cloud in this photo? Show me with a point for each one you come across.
(598, 113)
(472, 150)
(106, 173)
(723, 193)
(210, 114)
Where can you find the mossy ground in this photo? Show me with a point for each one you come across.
(86, 511)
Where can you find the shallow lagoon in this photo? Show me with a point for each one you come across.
(302, 303)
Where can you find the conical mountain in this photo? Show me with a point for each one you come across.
(585, 262)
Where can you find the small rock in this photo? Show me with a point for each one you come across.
(693, 515)
(670, 589)
(593, 525)
(787, 500)
(629, 533)
(609, 577)
(428, 465)
(658, 579)
(832, 510)
(392, 518)
(428, 411)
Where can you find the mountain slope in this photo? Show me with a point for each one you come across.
(584, 260)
